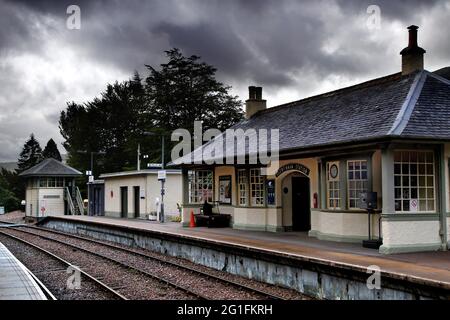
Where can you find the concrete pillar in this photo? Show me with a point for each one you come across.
(185, 215)
(443, 192)
(387, 181)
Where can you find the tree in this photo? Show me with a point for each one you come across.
(7, 197)
(30, 155)
(51, 151)
(181, 91)
(185, 90)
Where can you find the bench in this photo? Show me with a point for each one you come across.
(210, 219)
(215, 220)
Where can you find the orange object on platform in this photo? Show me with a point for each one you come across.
(192, 222)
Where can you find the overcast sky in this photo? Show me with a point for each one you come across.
(292, 48)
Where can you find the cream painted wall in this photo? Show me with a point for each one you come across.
(225, 171)
(342, 226)
(173, 194)
(53, 206)
(32, 201)
(413, 234)
(447, 182)
(150, 186)
(448, 231)
(36, 199)
(113, 195)
(258, 218)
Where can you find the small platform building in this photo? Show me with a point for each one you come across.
(51, 190)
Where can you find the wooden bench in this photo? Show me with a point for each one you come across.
(215, 220)
(209, 218)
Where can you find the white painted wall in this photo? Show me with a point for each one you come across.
(149, 186)
(52, 199)
(410, 234)
(342, 226)
(36, 198)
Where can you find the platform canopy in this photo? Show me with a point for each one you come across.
(51, 168)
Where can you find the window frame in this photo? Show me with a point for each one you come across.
(418, 175)
(262, 188)
(194, 198)
(328, 165)
(347, 181)
(239, 184)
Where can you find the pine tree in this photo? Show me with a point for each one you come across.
(30, 156)
(51, 151)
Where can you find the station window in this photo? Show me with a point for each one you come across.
(256, 187)
(357, 181)
(200, 186)
(243, 187)
(333, 194)
(414, 183)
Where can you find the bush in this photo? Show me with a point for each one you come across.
(175, 218)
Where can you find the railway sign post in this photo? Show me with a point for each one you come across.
(162, 178)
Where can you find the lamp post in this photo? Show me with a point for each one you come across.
(163, 180)
(92, 157)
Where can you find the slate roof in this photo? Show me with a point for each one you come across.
(51, 167)
(399, 106)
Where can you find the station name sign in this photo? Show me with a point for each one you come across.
(293, 166)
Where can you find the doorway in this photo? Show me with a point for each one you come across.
(124, 202)
(137, 212)
(301, 207)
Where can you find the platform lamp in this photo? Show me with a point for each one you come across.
(368, 201)
(162, 172)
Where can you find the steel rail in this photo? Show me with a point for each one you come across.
(54, 256)
(160, 260)
(121, 263)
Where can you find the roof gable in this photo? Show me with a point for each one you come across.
(51, 167)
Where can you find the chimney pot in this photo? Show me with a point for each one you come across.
(255, 103)
(252, 93)
(412, 36)
(258, 93)
(412, 55)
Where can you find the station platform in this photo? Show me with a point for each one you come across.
(427, 268)
(15, 281)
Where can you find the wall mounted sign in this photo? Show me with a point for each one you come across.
(270, 185)
(161, 174)
(334, 171)
(225, 189)
(293, 166)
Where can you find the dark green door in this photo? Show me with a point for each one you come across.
(301, 208)
(124, 202)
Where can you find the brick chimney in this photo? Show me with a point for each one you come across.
(255, 102)
(412, 55)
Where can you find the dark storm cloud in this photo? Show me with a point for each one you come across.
(298, 47)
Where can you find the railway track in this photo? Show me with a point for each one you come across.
(132, 282)
(54, 268)
(219, 284)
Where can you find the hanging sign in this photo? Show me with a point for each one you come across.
(293, 166)
(161, 174)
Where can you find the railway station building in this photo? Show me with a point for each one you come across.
(389, 135)
(136, 194)
(51, 190)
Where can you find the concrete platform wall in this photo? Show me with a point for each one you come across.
(319, 280)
